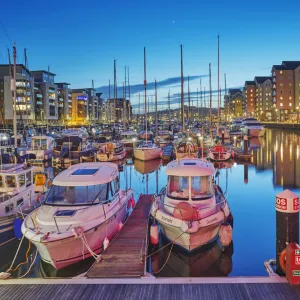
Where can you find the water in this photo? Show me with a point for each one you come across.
(251, 190)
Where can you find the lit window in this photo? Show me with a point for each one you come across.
(290, 104)
(280, 98)
(290, 97)
(281, 104)
(280, 72)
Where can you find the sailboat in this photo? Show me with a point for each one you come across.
(147, 150)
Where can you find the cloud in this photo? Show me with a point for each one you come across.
(139, 88)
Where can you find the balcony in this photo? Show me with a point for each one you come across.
(274, 79)
(274, 93)
(61, 99)
(39, 102)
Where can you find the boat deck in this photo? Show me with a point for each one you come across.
(124, 256)
(159, 289)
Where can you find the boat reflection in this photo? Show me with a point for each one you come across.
(146, 167)
(256, 143)
(209, 261)
(223, 164)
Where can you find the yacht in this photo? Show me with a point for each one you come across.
(83, 207)
(41, 148)
(192, 208)
(111, 152)
(17, 196)
(186, 149)
(251, 127)
(219, 153)
(147, 151)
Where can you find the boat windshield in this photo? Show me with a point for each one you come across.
(201, 187)
(40, 144)
(77, 195)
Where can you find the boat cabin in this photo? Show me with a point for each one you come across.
(190, 180)
(85, 184)
(129, 135)
(15, 178)
(42, 142)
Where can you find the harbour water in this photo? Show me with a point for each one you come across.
(251, 188)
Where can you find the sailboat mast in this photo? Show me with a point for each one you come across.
(15, 97)
(219, 95)
(169, 107)
(145, 95)
(129, 112)
(201, 104)
(125, 102)
(189, 101)
(139, 106)
(226, 100)
(156, 117)
(26, 104)
(210, 100)
(124, 106)
(182, 95)
(115, 90)
(109, 102)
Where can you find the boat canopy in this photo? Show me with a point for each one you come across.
(86, 174)
(129, 133)
(190, 167)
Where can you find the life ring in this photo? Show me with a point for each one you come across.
(282, 260)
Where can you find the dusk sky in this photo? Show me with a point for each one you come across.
(81, 39)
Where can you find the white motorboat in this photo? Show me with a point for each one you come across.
(251, 127)
(147, 151)
(192, 208)
(16, 196)
(129, 139)
(83, 207)
(219, 153)
(111, 152)
(41, 148)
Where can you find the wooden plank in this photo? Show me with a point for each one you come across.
(124, 255)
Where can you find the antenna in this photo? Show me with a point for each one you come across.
(210, 100)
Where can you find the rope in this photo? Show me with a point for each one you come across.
(16, 253)
(36, 252)
(22, 263)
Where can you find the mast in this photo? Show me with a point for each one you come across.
(125, 104)
(189, 101)
(145, 94)
(226, 103)
(15, 97)
(26, 93)
(93, 104)
(219, 95)
(182, 95)
(47, 107)
(198, 103)
(109, 102)
(129, 112)
(139, 106)
(204, 98)
(201, 103)
(210, 100)
(169, 107)
(156, 117)
(115, 90)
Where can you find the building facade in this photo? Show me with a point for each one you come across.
(236, 104)
(80, 106)
(250, 97)
(122, 113)
(45, 86)
(24, 95)
(64, 95)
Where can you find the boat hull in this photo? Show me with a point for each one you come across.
(147, 154)
(111, 156)
(64, 252)
(217, 156)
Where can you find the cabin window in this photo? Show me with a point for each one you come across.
(11, 181)
(77, 195)
(28, 179)
(116, 184)
(21, 179)
(178, 187)
(19, 202)
(9, 208)
(201, 187)
(1, 181)
(44, 144)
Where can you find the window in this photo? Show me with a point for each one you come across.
(77, 195)
(21, 179)
(201, 187)
(290, 97)
(20, 202)
(9, 208)
(28, 178)
(280, 98)
(280, 72)
(290, 104)
(281, 104)
(178, 187)
(1, 179)
(10, 181)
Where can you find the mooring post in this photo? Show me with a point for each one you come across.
(245, 144)
(287, 223)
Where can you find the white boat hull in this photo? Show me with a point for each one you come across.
(111, 156)
(147, 153)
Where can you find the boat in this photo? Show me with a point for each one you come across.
(129, 139)
(147, 151)
(71, 149)
(219, 153)
(111, 152)
(251, 127)
(146, 135)
(220, 130)
(17, 196)
(147, 167)
(186, 149)
(41, 148)
(192, 207)
(83, 207)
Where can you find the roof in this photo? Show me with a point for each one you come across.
(86, 174)
(62, 83)
(190, 167)
(249, 82)
(39, 137)
(234, 91)
(262, 79)
(43, 71)
(291, 65)
(13, 168)
(279, 67)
